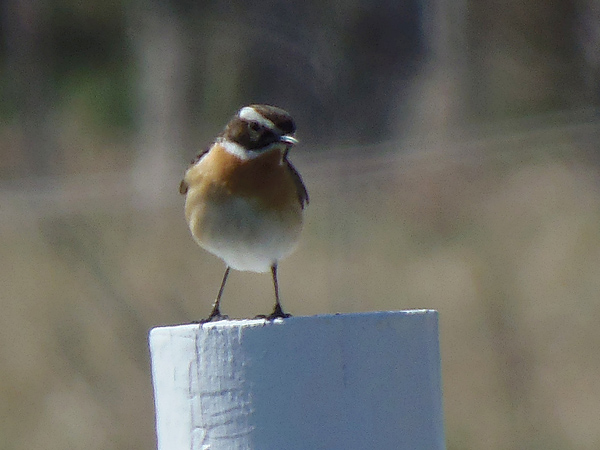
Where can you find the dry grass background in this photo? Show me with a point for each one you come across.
(498, 230)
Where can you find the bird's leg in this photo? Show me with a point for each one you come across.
(216, 311)
(277, 311)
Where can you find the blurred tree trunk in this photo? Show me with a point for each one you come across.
(27, 69)
(163, 73)
(589, 41)
(524, 57)
(437, 95)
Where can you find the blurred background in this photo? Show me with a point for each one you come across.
(451, 150)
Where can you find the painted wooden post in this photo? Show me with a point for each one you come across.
(350, 381)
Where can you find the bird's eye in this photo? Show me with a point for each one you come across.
(254, 126)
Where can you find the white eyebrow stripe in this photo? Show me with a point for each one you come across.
(250, 114)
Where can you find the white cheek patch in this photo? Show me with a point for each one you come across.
(239, 151)
(250, 114)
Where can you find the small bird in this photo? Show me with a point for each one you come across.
(244, 199)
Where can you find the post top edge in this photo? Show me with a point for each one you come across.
(239, 323)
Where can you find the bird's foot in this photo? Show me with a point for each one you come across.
(214, 316)
(278, 313)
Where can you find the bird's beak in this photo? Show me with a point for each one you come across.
(290, 140)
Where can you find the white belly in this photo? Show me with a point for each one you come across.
(244, 239)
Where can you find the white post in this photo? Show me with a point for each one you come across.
(332, 382)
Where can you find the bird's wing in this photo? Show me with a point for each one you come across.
(183, 186)
(300, 188)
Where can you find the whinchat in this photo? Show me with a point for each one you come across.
(244, 199)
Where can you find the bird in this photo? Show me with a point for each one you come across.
(244, 200)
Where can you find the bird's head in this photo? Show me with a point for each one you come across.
(256, 129)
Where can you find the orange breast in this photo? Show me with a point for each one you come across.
(265, 178)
